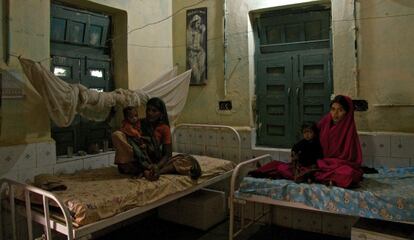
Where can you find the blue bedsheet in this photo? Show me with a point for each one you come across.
(388, 195)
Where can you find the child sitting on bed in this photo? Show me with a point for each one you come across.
(305, 153)
(131, 127)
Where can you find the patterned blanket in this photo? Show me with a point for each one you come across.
(388, 195)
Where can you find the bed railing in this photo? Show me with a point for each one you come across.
(208, 126)
(8, 189)
(237, 172)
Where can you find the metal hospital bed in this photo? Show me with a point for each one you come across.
(64, 222)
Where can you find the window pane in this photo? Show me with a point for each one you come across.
(76, 32)
(61, 71)
(95, 35)
(97, 89)
(98, 73)
(58, 29)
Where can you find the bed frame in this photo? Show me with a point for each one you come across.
(64, 225)
(242, 200)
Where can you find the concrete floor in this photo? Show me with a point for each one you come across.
(154, 228)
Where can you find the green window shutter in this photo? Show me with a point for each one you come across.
(293, 80)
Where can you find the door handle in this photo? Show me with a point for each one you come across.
(288, 94)
(297, 101)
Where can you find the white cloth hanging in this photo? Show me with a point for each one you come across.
(64, 100)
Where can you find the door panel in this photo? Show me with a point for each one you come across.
(315, 81)
(274, 99)
(292, 88)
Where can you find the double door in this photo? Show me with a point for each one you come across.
(292, 87)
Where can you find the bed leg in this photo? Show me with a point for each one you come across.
(1, 212)
(13, 212)
(270, 213)
(231, 218)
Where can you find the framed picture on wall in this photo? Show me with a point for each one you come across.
(196, 57)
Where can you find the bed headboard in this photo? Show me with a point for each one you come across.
(219, 141)
(13, 190)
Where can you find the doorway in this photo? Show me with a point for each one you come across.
(293, 72)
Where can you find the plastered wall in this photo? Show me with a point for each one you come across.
(25, 119)
(379, 71)
(142, 51)
(386, 57)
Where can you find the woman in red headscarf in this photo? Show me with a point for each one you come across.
(342, 156)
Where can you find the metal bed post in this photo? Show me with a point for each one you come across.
(47, 217)
(28, 214)
(232, 199)
(1, 210)
(12, 211)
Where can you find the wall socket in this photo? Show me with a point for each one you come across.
(225, 105)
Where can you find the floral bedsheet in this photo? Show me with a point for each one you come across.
(388, 195)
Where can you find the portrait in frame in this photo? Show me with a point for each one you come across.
(196, 45)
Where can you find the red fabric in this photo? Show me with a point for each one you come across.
(131, 130)
(341, 150)
(274, 169)
(163, 134)
(277, 169)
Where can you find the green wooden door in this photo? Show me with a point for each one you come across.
(81, 54)
(274, 99)
(292, 88)
(314, 84)
(293, 80)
